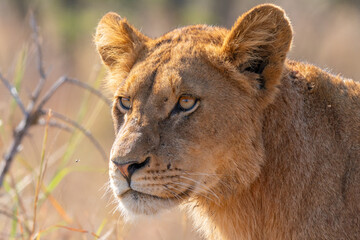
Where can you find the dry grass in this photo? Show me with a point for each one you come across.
(55, 187)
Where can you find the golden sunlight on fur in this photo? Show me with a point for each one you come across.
(219, 122)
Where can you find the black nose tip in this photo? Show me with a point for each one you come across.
(128, 169)
(136, 166)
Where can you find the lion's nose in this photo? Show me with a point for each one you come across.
(128, 169)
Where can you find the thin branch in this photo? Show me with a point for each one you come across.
(86, 132)
(19, 134)
(40, 65)
(51, 91)
(65, 79)
(53, 123)
(14, 94)
(90, 89)
(33, 117)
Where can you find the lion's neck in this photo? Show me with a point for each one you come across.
(247, 214)
(260, 211)
(270, 208)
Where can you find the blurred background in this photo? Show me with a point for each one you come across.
(73, 203)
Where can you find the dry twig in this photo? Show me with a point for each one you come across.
(34, 110)
(13, 93)
(40, 65)
(73, 123)
(53, 123)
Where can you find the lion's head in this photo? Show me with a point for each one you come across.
(188, 106)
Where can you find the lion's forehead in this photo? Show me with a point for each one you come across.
(196, 34)
(166, 79)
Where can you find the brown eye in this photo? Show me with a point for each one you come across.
(186, 103)
(124, 104)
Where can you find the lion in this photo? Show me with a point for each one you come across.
(219, 122)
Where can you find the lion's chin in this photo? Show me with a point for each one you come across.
(133, 204)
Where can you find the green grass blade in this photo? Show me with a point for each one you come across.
(59, 176)
(20, 67)
(14, 223)
(19, 76)
(101, 227)
(6, 186)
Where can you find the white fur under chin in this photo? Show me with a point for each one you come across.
(132, 217)
(143, 205)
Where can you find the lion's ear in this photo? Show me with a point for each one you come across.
(259, 41)
(117, 42)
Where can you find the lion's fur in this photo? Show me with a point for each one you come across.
(271, 152)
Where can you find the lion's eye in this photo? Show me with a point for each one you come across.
(186, 103)
(124, 104)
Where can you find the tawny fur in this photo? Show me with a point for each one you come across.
(270, 151)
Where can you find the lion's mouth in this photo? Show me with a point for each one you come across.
(136, 202)
(136, 195)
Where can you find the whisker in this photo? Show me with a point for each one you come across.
(220, 181)
(115, 209)
(112, 201)
(211, 175)
(187, 194)
(201, 193)
(201, 174)
(106, 188)
(196, 191)
(201, 185)
(177, 196)
(205, 174)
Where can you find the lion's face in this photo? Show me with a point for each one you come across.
(187, 114)
(177, 121)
